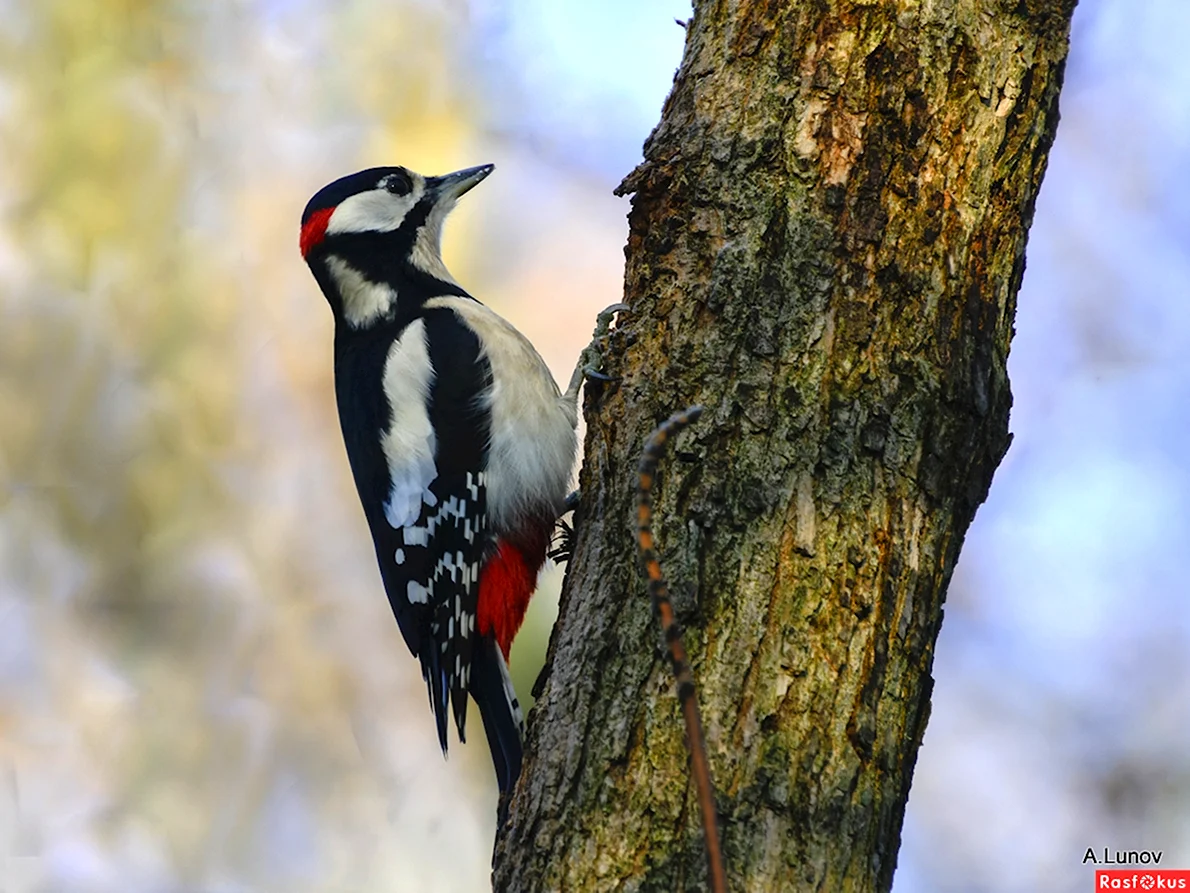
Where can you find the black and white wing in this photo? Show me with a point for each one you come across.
(424, 495)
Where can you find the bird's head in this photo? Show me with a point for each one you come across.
(373, 239)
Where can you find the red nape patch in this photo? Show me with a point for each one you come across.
(314, 229)
(505, 585)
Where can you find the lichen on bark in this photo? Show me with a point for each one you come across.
(826, 240)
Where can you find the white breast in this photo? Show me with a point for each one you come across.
(533, 425)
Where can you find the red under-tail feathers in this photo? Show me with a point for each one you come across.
(506, 583)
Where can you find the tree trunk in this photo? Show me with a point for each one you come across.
(826, 241)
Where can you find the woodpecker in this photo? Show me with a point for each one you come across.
(460, 442)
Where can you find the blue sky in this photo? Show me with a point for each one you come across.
(585, 81)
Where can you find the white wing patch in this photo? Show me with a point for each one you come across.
(409, 442)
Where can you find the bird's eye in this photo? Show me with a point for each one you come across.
(398, 184)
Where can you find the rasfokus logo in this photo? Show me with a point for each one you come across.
(1142, 879)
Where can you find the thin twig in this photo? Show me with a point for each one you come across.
(659, 590)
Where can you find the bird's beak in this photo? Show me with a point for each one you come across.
(451, 186)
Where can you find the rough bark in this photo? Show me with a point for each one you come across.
(826, 241)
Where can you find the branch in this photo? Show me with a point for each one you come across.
(659, 591)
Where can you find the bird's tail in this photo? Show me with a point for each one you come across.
(491, 687)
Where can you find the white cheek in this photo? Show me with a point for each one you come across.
(376, 211)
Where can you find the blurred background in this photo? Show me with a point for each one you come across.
(201, 685)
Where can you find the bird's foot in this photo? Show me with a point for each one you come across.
(591, 357)
(563, 538)
(562, 542)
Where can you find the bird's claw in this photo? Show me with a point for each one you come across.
(560, 554)
(564, 535)
(592, 372)
(603, 321)
(591, 358)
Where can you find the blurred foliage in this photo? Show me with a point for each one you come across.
(195, 642)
